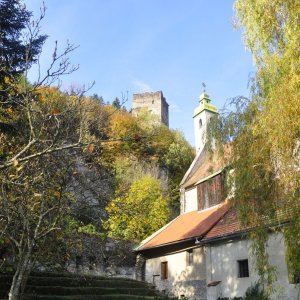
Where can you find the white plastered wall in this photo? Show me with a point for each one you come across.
(190, 200)
(182, 279)
(222, 265)
(200, 128)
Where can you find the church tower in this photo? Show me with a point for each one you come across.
(202, 115)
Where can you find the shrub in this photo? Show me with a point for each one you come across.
(255, 292)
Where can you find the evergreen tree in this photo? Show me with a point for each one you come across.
(97, 98)
(16, 55)
(116, 103)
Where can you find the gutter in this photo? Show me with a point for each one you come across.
(165, 245)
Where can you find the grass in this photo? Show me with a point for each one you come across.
(66, 286)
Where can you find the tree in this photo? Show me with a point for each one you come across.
(16, 55)
(177, 161)
(39, 126)
(98, 98)
(116, 103)
(136, 214)
(263, 131)
(33, 210)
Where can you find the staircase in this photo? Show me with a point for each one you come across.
(48, 286)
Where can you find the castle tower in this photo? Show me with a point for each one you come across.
(153, 102)
(202, 115)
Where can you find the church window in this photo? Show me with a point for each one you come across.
(189, 257)
(164, 270)
(243, 268)
(200, 123)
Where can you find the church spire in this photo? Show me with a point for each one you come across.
(202, 114)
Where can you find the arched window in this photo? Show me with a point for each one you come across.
(200, 123)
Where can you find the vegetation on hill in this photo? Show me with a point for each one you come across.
(65, 157)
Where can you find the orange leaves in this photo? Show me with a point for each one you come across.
(55, 112)
(90, 148)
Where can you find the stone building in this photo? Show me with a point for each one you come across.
(153, 102)
(204, 253)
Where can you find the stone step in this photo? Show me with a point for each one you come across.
(81, 287)
(91, 297)
(68, 291)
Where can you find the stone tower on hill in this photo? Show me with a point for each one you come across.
(153, 102)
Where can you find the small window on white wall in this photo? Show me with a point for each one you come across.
(189, 257)
(164, 270)
(243, 268)
(200, 123)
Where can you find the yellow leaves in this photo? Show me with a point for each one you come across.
(7, 79)
(57, 194)
(122, 124)
(138, 212)
(269, 26)
(19, 168)
(272, 31)
(73, 97)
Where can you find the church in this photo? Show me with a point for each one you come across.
(204, 253)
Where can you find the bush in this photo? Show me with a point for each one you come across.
(255, 292)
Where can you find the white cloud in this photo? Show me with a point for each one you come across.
(141, 86)
(174, 107)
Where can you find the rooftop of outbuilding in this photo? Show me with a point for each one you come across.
(189, 225)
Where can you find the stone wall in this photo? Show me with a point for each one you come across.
(153, 102)
(92, 188)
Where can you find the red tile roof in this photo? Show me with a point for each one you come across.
(186, 226)
(227, 225)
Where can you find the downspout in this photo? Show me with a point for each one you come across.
(210, 262)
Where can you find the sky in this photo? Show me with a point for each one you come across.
(133, 46)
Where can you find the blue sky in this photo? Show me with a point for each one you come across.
(149, 45)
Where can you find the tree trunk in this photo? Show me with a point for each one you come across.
(15, 286)
(20, 276)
